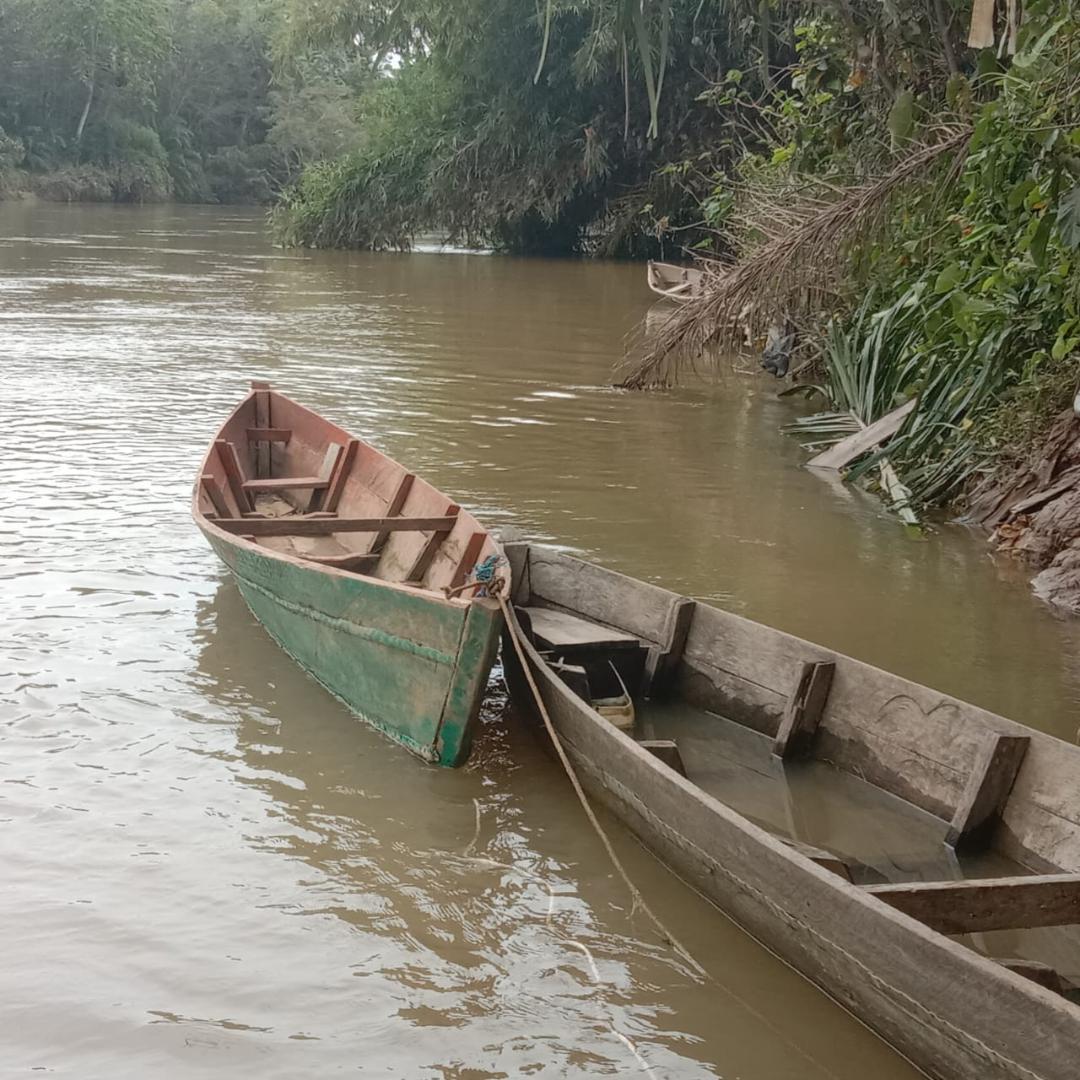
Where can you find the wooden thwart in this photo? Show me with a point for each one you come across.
(286, 483)
(566, 634)
(969, 907)
(987, 789)
(322, 526)
(269, 434)
(804, 709)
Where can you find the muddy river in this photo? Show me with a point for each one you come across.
(211, 868)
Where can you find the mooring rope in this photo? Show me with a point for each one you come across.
(498, 591)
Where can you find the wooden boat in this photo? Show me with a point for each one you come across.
(673, 281)
(944, 934)
(363, 573)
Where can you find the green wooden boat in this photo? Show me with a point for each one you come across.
(370, 578)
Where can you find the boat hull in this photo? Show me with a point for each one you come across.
(407, 662)
(954, 1013)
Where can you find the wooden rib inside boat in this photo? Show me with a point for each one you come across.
(915, 856)
(363, 572)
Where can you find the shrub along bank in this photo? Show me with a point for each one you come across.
(924, 238)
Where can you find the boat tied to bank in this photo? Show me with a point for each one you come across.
(949, 936)
(370, 578)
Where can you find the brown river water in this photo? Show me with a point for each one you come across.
(211, 868)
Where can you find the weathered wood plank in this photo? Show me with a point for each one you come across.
(831, 931)
(435, 541)
(269, 434)
(234, 475)
(987, 789)
(804, 709)
(285, 483)
(596, 593)
(974, 906)
(322, 526)
(345, 465)
(216, 496)
(262, 420)
(331, 456)
(468, 559)
(661, 661)
(847, 450)
(395, 507)
(566, 633)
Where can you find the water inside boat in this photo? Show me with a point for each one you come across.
(875, 836)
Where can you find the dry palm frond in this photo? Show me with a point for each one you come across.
(798, 267)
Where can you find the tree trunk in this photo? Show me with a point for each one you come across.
(85, 112)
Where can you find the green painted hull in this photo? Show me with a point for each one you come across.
(410, 664)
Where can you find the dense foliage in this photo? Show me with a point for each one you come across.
(146, 99)
(534, 128)
(968, 293)
(913, 205)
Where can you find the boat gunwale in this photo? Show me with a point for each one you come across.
(1044, 1011)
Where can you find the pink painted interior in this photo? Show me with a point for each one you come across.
(369, 489)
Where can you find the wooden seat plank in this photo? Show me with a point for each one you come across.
(562, 632)
(269, 434)
(975, 906)
(286, 483)
(319, 525)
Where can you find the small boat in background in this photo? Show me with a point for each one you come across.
(370, 578)
(916, 857)
(674, 282)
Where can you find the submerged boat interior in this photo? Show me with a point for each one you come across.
(285, 479)
(895, 788)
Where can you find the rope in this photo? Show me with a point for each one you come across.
(639, 901)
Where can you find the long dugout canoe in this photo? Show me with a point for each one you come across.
(909, 958)
(364, 573)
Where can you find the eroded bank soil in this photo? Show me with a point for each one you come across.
(1033, 512)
